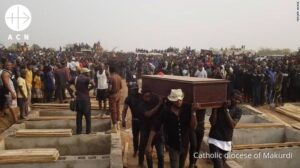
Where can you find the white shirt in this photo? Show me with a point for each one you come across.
(73, 65)
(223, 72)
(102, 80)
(201, 74)
(224, 145)
(185, 72)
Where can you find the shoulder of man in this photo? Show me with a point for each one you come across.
(119, 77)
(186, 107)
(165, 107)
(5, 72)
(155, 98)
(112, 76)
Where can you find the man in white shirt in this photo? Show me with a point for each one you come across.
(201, 72)
(223, 72)
(102, 77)
(73, 66)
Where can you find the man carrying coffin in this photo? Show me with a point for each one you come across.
(223, 121)
(177, 119)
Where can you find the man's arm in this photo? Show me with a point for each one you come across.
(109, 85)
(229, 120)
(151, 112)
(68, 74)
(68, 87)
(5, 77)
(121, 83)
(213, 117)
(96, 79)
(193, 122)
(107, 74)
(124, 113)
(155, 127)
(92, 85)
(52, 78)
(196, 73)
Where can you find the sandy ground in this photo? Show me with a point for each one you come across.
(277, 116)
(7, 120)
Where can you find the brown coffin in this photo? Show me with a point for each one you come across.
(207, 92)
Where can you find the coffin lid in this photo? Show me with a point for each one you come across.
(185, 79)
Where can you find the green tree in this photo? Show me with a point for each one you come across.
(13, 47)
(270, 52)
(35, 47)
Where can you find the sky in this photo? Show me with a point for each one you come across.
(158, 24)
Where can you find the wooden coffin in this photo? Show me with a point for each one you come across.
(207, 92)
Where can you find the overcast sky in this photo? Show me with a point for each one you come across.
(130, 24)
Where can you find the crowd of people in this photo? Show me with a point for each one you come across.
(45, 75)
(262, 80)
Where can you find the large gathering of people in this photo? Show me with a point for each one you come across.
(31, 75)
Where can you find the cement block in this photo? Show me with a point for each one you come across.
(97, 161)
(292, 135)
(116, 151)
(267, 136)
(97, 125)
(290, 157)
(62, 112)
(258, 135)
(248, 119)
(92, 144)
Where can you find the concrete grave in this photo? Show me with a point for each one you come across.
(92, 144)
(97, 125)
(274, 147)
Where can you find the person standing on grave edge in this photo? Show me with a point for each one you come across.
(114, 90)
(22, 95)
(29, 79)
(82, 84)
(102, 77)
(8, 95)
